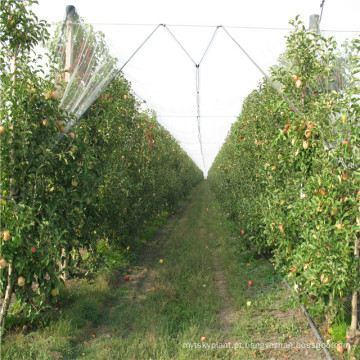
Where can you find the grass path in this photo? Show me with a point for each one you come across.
(200, 290)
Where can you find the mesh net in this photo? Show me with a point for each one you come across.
(194, 77)
(87, 61)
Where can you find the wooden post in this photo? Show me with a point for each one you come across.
(314, 24)
(69, 59)
(69, 55)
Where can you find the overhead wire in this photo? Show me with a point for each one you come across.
(178, 42)
(290, 103)
(209, 45)
(214, 26)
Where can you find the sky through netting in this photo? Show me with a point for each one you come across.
(194, 76)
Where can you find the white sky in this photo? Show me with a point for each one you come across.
(163, 75)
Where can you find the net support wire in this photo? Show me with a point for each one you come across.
(197, 66)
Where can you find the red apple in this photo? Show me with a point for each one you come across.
(2, 129)
(340, 349)
(72, 135)
(298, 83)
(311, 126)
(203, 338)
(322, 192)
(242, 232)
(250, 283)
(324, 279)
(33, 249)
(127, 278)
(59, 124)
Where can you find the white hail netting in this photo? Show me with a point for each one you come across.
(196, 105)
(89, 65)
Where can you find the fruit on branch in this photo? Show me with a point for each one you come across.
(21, 281)
(345, 175)
(3, 264)
(2, 129)
(6, 235)
(55, 292)
(305, 144)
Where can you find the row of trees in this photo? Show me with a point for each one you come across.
(112, 174)
(288, 174)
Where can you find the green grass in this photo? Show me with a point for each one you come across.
(182, 309)
(184, 303)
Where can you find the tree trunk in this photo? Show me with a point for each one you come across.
(64, 264)
(13, 194)
(352, 334)
(7, 299)
(330, 312)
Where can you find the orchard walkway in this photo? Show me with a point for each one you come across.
(194, 304)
